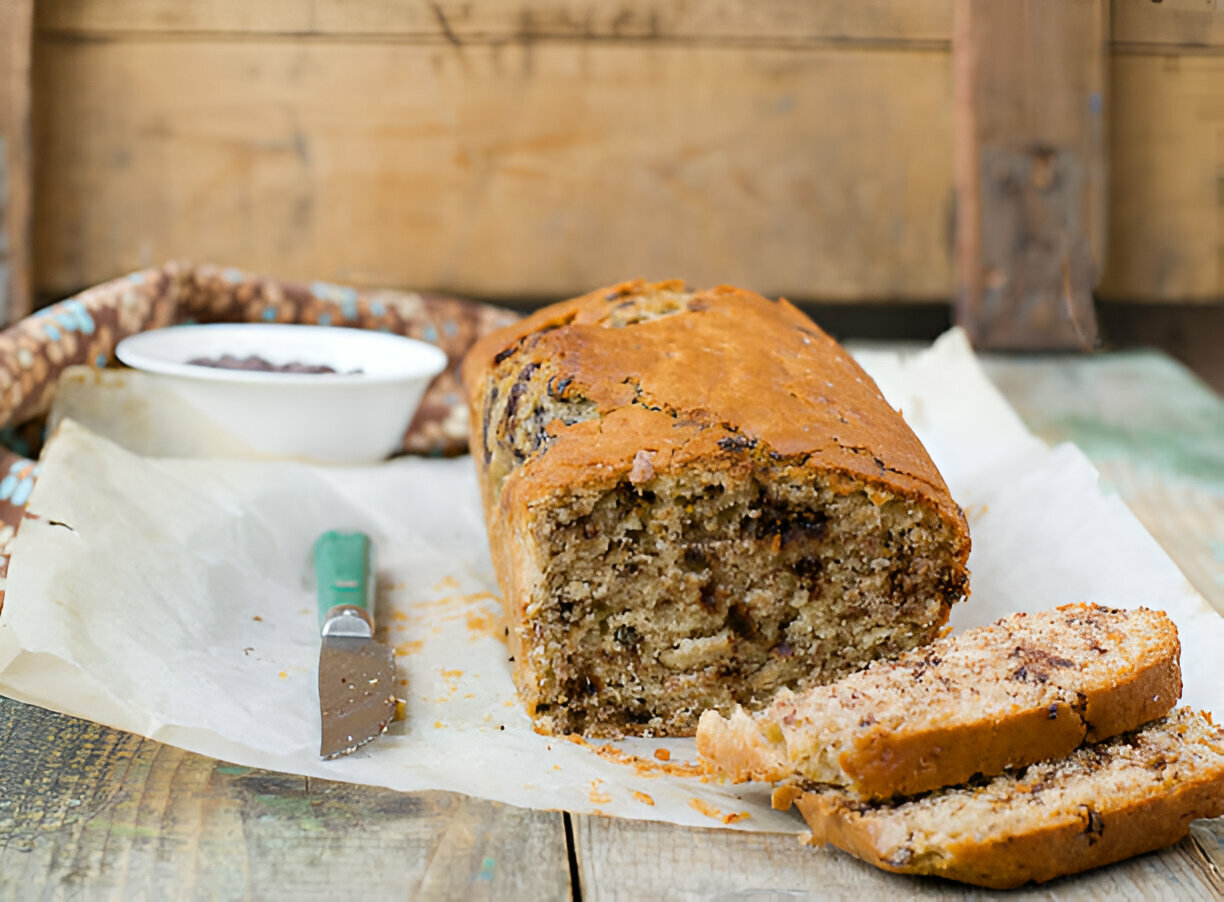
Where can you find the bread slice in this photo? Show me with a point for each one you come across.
(1102, 803)
(695, 498)
(1027, 688)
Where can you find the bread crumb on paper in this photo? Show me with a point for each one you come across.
(596, 795)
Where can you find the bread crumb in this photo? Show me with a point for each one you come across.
(662, 754)
(596, 795)
(643, 798)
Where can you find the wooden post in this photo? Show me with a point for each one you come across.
(1030, 167)
(16, 19)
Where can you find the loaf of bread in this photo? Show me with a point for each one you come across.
(694, 499)
(1102, 803)
(1028, 688)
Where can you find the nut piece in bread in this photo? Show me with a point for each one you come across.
(694, 499)
(1027, 688)
(1102, 803)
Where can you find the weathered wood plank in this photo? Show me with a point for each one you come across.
(1166, 226)
(537, 151)
(530, 169)
(1030, 170)
(1188, 25)
(91, 812)
(16, 187)
(908, 22)
(619, 859)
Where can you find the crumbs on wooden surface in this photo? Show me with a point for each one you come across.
(598, 796)
(644, 767)
(643, 798)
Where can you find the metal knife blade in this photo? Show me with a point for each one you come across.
(356, 674)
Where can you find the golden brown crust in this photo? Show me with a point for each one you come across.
(881, 764)
(1020, 844)
(1054, 850)
(733, 358)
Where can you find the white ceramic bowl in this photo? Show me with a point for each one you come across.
(344, 417)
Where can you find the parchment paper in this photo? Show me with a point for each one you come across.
(170, 597)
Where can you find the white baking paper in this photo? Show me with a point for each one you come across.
(171, 597)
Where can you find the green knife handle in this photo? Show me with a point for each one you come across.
(344, 573)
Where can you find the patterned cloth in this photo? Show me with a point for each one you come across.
(86, 328)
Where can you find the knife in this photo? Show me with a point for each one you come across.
(356, 674)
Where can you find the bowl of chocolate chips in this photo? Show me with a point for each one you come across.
(323, 394)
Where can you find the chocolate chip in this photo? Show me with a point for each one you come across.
(737, 443)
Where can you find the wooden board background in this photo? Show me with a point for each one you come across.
(16, 21)
(511, 149)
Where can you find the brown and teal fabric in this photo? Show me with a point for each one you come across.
(84, 330)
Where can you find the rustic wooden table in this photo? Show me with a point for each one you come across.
(89, 812)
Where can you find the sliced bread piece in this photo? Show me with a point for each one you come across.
(1102, 803)
(1028, 688)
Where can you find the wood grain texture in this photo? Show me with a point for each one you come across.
(536, 150)
(1030, 170)
(1192, 26)
(16, 185)
(631, 860)
(909, 22)
(1166, 226)
(1137, 25)
(528, 169)
(90, 812)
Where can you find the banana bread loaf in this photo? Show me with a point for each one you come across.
(694, 499)
(1028, 688)
(1102, 803)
